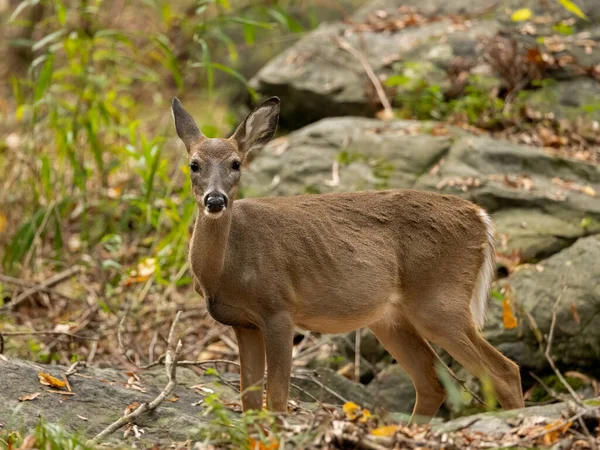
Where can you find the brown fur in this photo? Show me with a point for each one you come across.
(402, 262)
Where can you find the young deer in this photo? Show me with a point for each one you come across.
(412, 266)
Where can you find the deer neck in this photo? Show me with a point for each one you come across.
(209, 246)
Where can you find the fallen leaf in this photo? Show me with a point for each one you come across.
(387, 431)
(351, 410)
(366, 415)
(26, 398)
(49, 380)
(573, 8)
(508, 318)
(2, 222)
(521, 15)
(131, 408)
(253, 444)
(85, 419)
(173, 399)
(575, 314)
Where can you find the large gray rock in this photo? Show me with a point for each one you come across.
(100, 397)
(573, 278)
(319, 79)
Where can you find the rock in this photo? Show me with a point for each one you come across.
(100, 397)
(319, 79)
(393, 390)
(578, 98)
(501, 421)
(328, 386)
(573, 276)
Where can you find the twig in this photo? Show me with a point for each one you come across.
(321, 385)
(463, 383)
(389, 113)
(549, 347)
(73, 369)
(48, 283)
(120, 341)
(170, 367)
(357, 356)
(1, 343)
(29, 285)
(54, 333)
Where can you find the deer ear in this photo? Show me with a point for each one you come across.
(259, 127)
(187, 130)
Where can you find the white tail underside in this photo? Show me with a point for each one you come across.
(485, 275)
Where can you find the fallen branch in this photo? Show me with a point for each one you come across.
(42, 287)
(549, 348)
(171, 358)
(341, 43)
(53, 333)
(321, 385)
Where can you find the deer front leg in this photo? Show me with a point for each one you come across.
(279, 338)
(252, 366)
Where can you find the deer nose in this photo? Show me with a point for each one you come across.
(215, 202)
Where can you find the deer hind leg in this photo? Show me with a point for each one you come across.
(417, 358)
(449, 324)
(252, 365)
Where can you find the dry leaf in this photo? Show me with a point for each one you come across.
(388, 431)
(352, 410)
(131, 408)
(2, 222)
(575, 314)
(26, 398)
(173, 399)
(49, 380)
(253, 444)
(521, 15)
(85, 419)
(508, 318)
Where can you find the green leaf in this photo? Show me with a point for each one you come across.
(249, 33)
(573, 8)
(563, 29)
(19, 9)
(238, 76)
(521, 15)
(397, 80)
(44, 79)
(286, 20)
(48, 39)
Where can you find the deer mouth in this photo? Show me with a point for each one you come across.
(214, 214)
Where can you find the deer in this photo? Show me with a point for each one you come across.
(415, 267)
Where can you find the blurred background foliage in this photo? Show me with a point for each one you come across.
(87, 86)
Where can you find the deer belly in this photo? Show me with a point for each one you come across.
(343, 318)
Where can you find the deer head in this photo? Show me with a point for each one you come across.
(216, 164)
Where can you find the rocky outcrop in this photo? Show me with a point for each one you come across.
(423, 39)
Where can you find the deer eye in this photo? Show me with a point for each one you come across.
(194, 166)
(236, 165)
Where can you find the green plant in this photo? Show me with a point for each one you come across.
(45, 435)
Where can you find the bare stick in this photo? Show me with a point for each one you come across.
(321, 385)
(357, 356)
(370, 73)
(171, 369)
(549, 347)
(30, 285)
(54, 333)
(120, 341)
(52, 281)
(462, 383)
